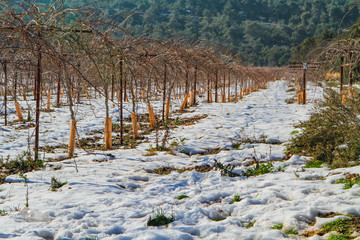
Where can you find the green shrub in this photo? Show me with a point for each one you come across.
(348, 183)
(22, 164)
(259, 169)
(291, 231)
(332, 134)
(278, 226)
(236, 199)
(3, 212)
(56, 184)
(250, 224)
(160, 219)
(225, 170)
(182, 197)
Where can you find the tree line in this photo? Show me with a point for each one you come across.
(259, 32)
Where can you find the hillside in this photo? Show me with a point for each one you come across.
(259, 32)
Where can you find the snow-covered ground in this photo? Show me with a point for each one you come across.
(114, 193)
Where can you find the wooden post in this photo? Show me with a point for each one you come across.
(5, 91)
(164, 94)
(216, 86)
(108, 133)
(184, 102)
(24, 94)
(191, 102)
(71, 146)
(229, 88)
(37, 111)
(151, 116)
(112, 85)
(236, 93)
(195, 85)
(134, 125)
(208, 87)
(341, 74)
(121, 101)
(58, 89)
(48, 100)
(18, 112)
(304, 84)
(167, 109)
(350, 70)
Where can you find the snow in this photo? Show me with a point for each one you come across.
(114, 193)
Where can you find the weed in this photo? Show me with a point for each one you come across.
(182, 197)
(259, 169)
(160, 219)
(340, 237)
(177, 121)
(23, 163)
(297, 175)
(313, 164)
(26, 181)
(3, 212)
(56, 184)
(250, 224)
(294, 132)
(349, 181)
(225, 170)
(291, 231)
(236, 199)
(345, 228)
(340, 225)
(332, 134)
(278, 226)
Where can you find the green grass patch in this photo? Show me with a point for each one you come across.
(291, 231)
(3, 212)
(294, 132)
(332, 134)
(182, 197)
(278, 226)
(160, 219)
(259, 169)
(250, 224)
(236, 199)
(225, 170)
(56, 184)
(314, 164)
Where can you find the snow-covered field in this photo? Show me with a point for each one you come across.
(114, 193)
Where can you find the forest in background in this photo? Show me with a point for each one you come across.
(259, 32)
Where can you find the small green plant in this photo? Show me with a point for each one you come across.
(182, 197)
(313, 164)
(332, 134)
(278, 226)
(340, 225)
(160, 219)
(26, 181)
(340, 237)
(177, 121)
(291, 231)
(23, 163)
(236, 199)
(56, 184)
(345, 228)
(225, 170)
(294, 132)
(3, 212)
(250, 224)
(348, 183)
(259, 169)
